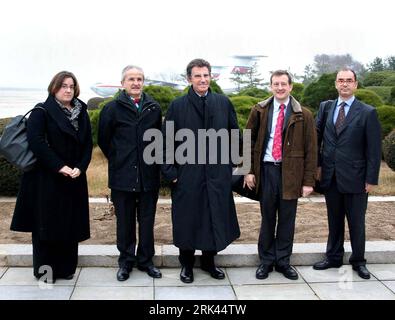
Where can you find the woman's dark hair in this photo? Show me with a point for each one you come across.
(57, 81)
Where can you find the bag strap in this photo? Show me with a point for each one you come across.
(37, 106)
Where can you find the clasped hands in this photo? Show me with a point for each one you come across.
(72, 173)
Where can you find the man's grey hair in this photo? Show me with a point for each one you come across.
(129, 67)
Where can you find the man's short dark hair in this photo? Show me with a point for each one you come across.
(200, 63)
(279, 73)
(348, 69)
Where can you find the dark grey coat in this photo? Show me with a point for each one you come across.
(49, 204)
(203, 210)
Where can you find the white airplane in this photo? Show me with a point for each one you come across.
(238, 64)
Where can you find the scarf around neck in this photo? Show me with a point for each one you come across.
(72, 114)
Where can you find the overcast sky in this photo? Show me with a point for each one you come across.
(96, 39)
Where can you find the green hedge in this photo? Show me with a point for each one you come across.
(254, 92)
(243, 106)
(9, 175)
(386, 116)
(297, 91)
(383, 92)
(389, 150)
(369, 97)
(163, 95)
(390, 81)
(93, 103)
(377, 78)
(319, 90)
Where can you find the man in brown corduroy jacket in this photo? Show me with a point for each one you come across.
(284, 159)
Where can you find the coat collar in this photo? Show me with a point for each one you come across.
(296, 107)
(195, 100)
(124, 100)
(60, 118)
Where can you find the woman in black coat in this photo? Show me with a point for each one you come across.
(53, 198)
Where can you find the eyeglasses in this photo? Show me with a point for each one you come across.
(65, 87)
(343, 81)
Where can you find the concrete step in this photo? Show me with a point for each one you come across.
(236, 255)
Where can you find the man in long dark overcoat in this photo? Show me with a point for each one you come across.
(203, 210)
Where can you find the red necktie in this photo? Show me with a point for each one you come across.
(277, 143)
(136, 100)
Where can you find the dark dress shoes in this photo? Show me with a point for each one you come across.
(363, 272)
(288, 272)
(123, 274)
(215, 272)
(263, 271)
(326, 264)
(186, 275)
(152, 271)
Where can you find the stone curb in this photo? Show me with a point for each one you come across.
(236, 255)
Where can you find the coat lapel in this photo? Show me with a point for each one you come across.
(287, 116)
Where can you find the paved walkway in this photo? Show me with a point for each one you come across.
(94, 283)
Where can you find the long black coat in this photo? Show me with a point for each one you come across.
(355, 154)
(121, 131)
(49, 204)
(203, 210)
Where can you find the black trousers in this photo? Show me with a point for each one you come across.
(187, 258)
(56, 258)
(353, 207)
(275, 244)
(128, 207)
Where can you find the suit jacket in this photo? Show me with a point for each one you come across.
(354, 155)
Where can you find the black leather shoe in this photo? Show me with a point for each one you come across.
(288, 272)
(263, 271)
(326, 264)
(152, 271)
(363, 272)
(123, 274)
(186, 275)
(215, 272)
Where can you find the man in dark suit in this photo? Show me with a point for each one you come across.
(349, 140)
(283, 167)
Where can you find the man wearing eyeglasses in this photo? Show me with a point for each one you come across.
(349, 141)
